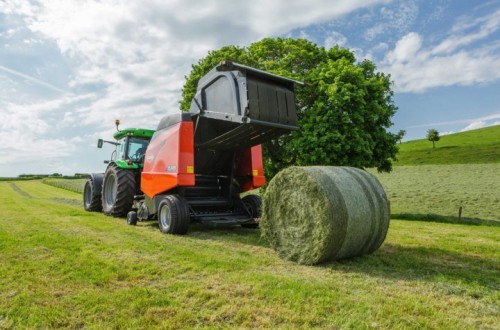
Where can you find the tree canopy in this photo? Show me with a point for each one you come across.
(400, 135)
(344, 110)
(433, 136)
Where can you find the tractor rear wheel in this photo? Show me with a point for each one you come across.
(173, 215)
(91, 197)
(254, 204)
(118, 190)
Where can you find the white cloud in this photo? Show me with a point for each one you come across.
(393, 18)
(466, 31)
(487, 120)
(474, 125)
(416, 68)
(334, 38)
(406, 49)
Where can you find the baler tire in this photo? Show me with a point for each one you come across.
(118, 190)
(173, 215)
(254, 203)
(91, 198)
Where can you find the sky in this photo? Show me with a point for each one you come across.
(69, 68)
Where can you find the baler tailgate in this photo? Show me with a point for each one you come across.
(242, 107)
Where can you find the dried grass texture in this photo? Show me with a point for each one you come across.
(319, 213)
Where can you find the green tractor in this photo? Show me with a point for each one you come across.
(113, 191)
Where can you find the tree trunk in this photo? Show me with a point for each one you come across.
(433, 145)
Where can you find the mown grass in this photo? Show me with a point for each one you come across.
(75, 185)
(429, 192)
(472, 147)
(66, 268)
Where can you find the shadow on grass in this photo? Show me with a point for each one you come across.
(446, 147)
(432, 264)
(445, 219)
(235, 234)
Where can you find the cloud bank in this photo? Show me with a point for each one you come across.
(456, 60)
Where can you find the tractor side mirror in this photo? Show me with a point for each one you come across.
(99, 143)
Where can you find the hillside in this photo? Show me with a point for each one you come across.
(472, 147)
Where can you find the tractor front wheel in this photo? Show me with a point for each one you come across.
(173, 215)
(118, 190)
(91, 197)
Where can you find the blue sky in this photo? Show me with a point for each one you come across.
(68, 68)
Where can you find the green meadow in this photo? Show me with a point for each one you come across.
(63, 267)
(437, 192)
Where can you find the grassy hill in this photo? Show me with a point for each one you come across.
(63, 267)
(472, 147)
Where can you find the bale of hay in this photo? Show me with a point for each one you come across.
(322, 213)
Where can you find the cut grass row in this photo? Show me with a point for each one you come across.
(437, 192)
(63, 267)
(75, 185)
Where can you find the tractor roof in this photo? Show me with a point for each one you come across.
(139, 132)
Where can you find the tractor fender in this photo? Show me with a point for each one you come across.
(97, 179)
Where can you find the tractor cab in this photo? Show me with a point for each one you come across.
(131, 145)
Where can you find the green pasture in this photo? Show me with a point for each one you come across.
(436, 192)
(63, 267)
(472, 147)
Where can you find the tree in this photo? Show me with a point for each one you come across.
(344, 110)
(433, 136)
(400, 135)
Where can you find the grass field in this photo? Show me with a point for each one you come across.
(439, 190)
(75, 185)
(479, 146)
(66, 268)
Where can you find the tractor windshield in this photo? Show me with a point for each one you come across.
(137, 148)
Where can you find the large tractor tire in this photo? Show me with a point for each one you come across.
(254, 204)
(118, 190)
(91, 197)
(173, 215)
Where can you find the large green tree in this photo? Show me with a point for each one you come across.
(345, 108)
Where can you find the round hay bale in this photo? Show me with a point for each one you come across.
(322, 213)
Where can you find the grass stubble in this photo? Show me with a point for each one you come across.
(66, 268)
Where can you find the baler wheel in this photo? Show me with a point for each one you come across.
(254, 204)
(118, 191)
(173, 215)
(91, 197)
(132, 218)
